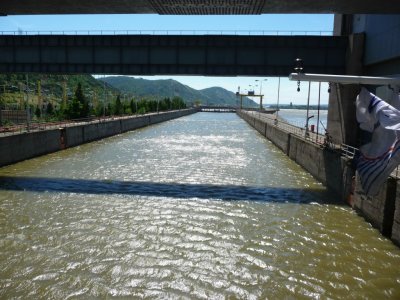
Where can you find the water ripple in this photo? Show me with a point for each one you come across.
(197, 208)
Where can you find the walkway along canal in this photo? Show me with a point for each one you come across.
(199, 207)
(334, 170)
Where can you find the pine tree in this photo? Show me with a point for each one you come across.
(84, 103)
(49, 109)
(38, 113)
(118, 106)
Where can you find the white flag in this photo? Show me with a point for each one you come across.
(381, 156)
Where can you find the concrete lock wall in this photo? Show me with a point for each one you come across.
(336, 172)
(19, 147)
(378, 210)
(86, 133)
(324, 164)
(280, 138)
(23, 146)
(396, 220)
(134, 123)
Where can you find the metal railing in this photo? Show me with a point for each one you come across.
(45, 125)
(348, 151)
(317, 138)
(171, 32)
(300, 131)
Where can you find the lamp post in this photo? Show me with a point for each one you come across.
(277, 101)
(104, 97)
(261, 82)
(308, 109)
(27, 104)
(261, 96)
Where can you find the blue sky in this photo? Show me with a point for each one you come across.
(288, 23)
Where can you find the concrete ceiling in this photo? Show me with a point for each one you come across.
(197, 7)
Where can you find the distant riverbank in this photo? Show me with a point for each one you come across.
(298, 117)
(299, 106)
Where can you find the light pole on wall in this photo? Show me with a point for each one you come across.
(27, 103)
(277, 101)
(104, 96)
(261, 96)
(261, 82)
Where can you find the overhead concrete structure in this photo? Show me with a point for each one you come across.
(215, 55)
(374, 50)
(197, 7)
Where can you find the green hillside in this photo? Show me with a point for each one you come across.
(51, 88)
(171, 88)
(152, 88)
(45, 88)
(220, 95)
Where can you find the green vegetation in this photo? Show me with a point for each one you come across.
(59, 97)
(52, 97)
(156, 89)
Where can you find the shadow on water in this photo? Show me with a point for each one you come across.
(173, 190)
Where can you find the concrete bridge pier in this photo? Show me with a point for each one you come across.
(342, 124)
(383, 210)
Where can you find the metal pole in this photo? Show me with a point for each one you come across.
(308, 107)
(277, 102)
(104, 97)
(319, 102)
(345, 79)
(339, 99)
(27, 103)
(261, 82)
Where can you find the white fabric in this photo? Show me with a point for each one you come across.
(381, 156)
(371, 109)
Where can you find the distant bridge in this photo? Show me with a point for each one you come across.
(209, 55)
(222, 109)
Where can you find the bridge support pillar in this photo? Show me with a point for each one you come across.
(379, 210)
(396, 221)
(342, 123)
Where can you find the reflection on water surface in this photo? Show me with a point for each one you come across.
(199, 207)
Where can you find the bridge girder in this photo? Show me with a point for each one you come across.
(212, 55)
(197, 7)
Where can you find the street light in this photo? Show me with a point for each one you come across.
(104, 98)
(27, 104)
(277, 101)
(261, 82)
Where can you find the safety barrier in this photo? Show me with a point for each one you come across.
(346, 151)
(40, 126)
(170, 32)
(303, 132)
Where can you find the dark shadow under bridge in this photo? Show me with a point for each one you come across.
(167, 189)
(209, 55)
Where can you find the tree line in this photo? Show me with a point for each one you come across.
(80, 107)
